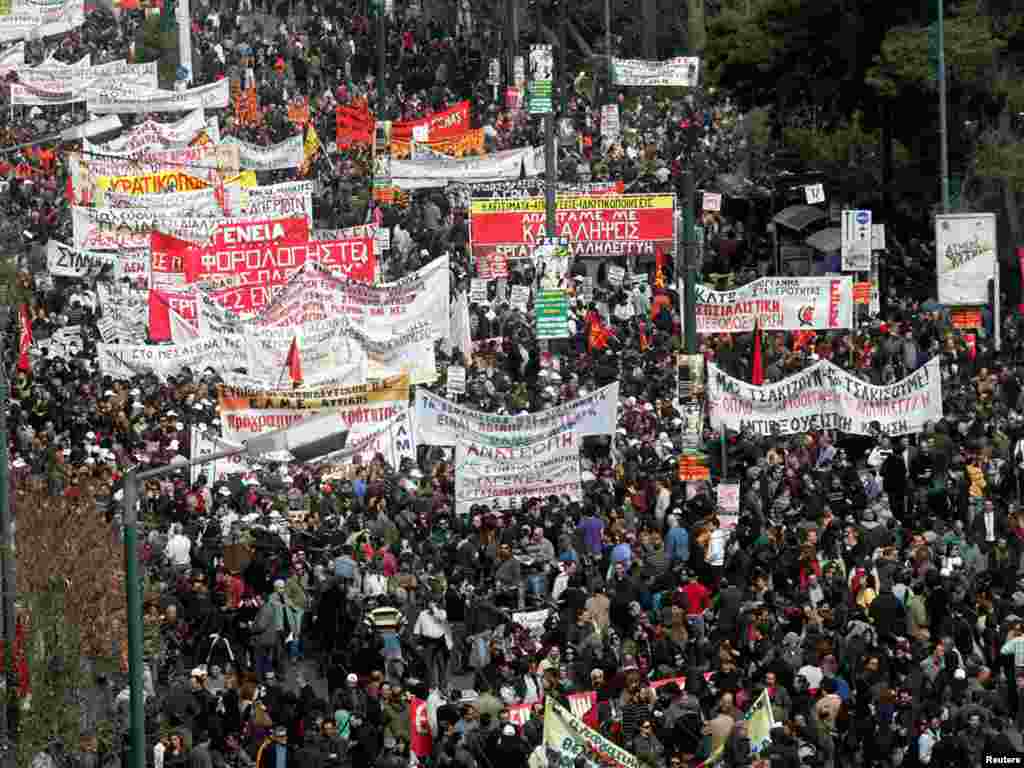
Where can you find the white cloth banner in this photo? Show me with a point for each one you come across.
(106, 229)
(65, 261)
(140, 101)
(825, 396)
(394, 441)
(28, 20)
(152, 135)
(122, 361)
(504, 477)
(286, 154)
(500, 166)
(682, 70)
(205, 162)
(327, 353)
(778, 304)
(204, 443)
(442, 422)
(54, 87)
(965, 254)
(287, 200)
(199, 202)
(12, 57)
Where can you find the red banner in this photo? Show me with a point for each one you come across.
(594, 225)
(422, 741)
(449, 124)
(353, 126)
(161, 303)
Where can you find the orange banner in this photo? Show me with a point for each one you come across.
(298, 112)
(459, 146)
(965, 319)
(862, 293)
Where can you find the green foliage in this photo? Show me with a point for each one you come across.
(849, 143)
(155, 43)
(995, 159)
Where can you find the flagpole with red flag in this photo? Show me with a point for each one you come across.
(25, 339)
(757, 371)
(294, 363)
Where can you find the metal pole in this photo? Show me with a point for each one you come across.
(9, 586)
(137, 710)
(550, 174)
(381, 58)
(563, 55)
(609, 98)
(943, 128)
(690, 265)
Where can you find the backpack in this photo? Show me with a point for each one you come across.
(479, 652)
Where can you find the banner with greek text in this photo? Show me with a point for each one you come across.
(278, 157)
(394, 441)
(680, 71)
(151, 135)
(825, 396)
(123, 361)
(442, 422)
(567, 737)
(140, 101)
(965, 253)
(363, 409)
(65, 261)
(328, 353)
(204, 443)
(104, 229)
(37, 87)
(275, 201)
(502, 478)
(198, 202)
(30, 20)
(500, 166)
(777, 304)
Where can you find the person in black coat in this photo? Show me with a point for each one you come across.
(894, 479)
(888, 614)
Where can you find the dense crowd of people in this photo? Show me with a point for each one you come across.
(869, 585)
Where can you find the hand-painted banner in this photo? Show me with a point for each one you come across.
(12, 58)
(500, 166)
(163, 305)
(568, 737)
(965, 253)
(360, 230)
(123, 361)
(156, 183)
(364, 409)
(151, 135)
(470, 142)
(199, 202)
(680, 71)
(825, 396)
(65, 261)
(595, 226)
(442, 422)
(104, 229)
(777, 304)
(26, 20)
(140, 101)
(204, 443)
(198, 161)
(276, 201)
(328, 353)
(502, 478)
(286, 154)
(53, 88)
(448, 124)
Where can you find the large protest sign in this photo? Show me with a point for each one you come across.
(965, 253)
(569, 738)
(503, 477)
(151, 135)
(40, 20)
(437, 172)
(777, 304)
(216, 95)
(286, 154)
(123, 361)
(680, 71)
(363, 409)
(596, 226)
(38, 87)
(199, 202)
(825, 396)
(442, 422)
(205, 443)
(65, 261)
(275, 201)
(394, 440)
(327, 352)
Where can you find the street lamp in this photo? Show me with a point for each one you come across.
(305, 441)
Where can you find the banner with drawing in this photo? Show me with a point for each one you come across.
(965, 256)
(825, 396)
(777, 304)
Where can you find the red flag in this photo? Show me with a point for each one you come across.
(421, 740)
(294, 362)
(757, 372)
(598, 336)
(659, 269)
(25, 340)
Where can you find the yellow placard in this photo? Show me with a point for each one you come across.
(574, 203)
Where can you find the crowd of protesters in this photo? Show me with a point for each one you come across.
(870, 585)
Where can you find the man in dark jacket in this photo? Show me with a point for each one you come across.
(888, 614)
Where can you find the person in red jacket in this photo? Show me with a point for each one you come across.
(696, 600)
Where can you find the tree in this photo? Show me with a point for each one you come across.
(155, 42)
(71, 588)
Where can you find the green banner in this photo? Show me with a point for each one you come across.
(552, 308)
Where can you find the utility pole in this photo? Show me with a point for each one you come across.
(563, 55)
(608, 96)
(943, 128)
(133, 587)
(689, 265)
(10, 736)
(381, 56)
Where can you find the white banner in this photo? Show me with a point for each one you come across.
(327, 353)
(50, 87)
(64, 261)
(394, 441)
(140, 101)
(204, 443)
(500, 166)
(286, 154)
(381, 310)
(12, 57)
(152, 135)
(682, 70)
(361, 230)
(287, 200)
(30, 20)
(199, 202)
(965, 254)
(123, 361)
(825, 396)
(505, 477)
(442, 422)
(203, 162)
(778, 304)
(106, 229)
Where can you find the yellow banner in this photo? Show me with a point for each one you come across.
(151, 183)
(574, 203)
(236, 398)
(470, 141)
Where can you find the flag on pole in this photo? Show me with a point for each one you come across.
(659, 269)
(598, 336)
(311, 148)
(25, 340)
(294, 362)
(757, 370)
